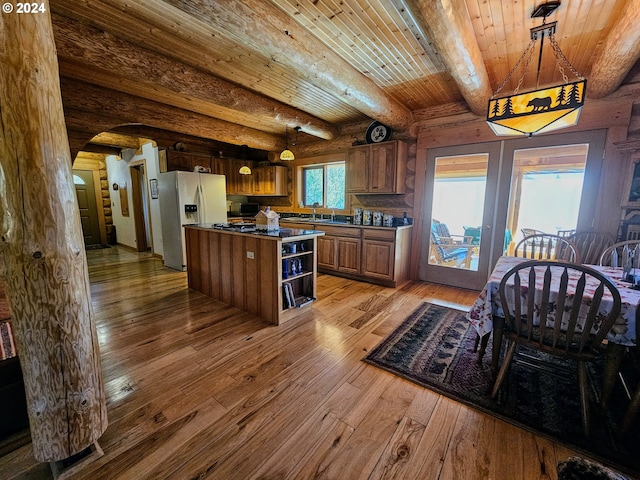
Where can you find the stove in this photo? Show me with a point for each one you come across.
(237, 227)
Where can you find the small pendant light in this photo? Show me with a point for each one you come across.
(287, 155)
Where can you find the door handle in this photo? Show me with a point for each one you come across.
(488, 227)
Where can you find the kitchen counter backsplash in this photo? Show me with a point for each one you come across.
(397, 221)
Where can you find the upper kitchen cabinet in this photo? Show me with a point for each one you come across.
(237, 184)
(241, 184)
(187, 161)
(377, 168)
(270, 180)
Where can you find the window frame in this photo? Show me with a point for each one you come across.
(324, 167)
(299, 186)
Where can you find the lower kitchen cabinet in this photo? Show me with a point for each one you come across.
(376, 255)
(348, 255)
(379, 254)
(328, 253)
(340, 254)
(340, 249)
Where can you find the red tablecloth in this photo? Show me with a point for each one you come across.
(488, 303)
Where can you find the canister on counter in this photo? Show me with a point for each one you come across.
(377, 219)
(357, 216)
(366, 217)
(387, 220)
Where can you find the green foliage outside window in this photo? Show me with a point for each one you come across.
(324, 185)
(335, 186)
(313, 186)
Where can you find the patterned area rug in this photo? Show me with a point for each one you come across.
(433, 348)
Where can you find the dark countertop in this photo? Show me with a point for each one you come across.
(320, 223)
(282, 233)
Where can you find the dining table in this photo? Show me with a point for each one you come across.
(486, 314)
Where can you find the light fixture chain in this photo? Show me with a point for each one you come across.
(515, 67)
(524, 69)
(560, 56)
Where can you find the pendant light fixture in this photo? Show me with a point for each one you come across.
(543, 110)
(244, 169)
(287, 155)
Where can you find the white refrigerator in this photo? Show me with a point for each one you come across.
(188, 198)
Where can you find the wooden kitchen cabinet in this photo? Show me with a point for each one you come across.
(236, 183)
(187, 162)
(222, 166)
(385, 254)
(339, 254)
(358, 170)
(328, 253)
(378, 259)
(339, 249)
(267, 180)
(377, 168)
(270, 180)
(241, 184)
(371, 254)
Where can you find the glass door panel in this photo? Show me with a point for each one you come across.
(546, 188)
(548, 183)
(456, 212)
(459, 207)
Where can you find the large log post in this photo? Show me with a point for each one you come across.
(42, 253)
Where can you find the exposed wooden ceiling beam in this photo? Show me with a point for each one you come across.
(261, 26)
(168, 139)
(116, 140)
(91, 55)
(618, 54)
(82, 126)
(449, 27)
(100, 149)
(100, 102)
(274, 34)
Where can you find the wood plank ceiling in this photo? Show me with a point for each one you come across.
(239, 71)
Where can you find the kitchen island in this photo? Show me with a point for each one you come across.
(269, 274)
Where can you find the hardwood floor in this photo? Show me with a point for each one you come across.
(197, 389)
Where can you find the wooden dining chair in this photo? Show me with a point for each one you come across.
(634, 405)
(561, 335)
(621, 253)
(590, 245)
(547, 246)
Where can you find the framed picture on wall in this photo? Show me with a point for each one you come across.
(632, 191)
(153, 188)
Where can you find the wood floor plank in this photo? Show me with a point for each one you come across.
(311, 436)
(434, 446)
(471, 449)
(197, 389)
(361, 452)
(396, 459)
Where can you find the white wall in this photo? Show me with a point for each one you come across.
(118, 173)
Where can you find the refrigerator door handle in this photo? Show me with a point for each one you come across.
(202, 214)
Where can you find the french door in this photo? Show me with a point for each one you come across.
(479, 196)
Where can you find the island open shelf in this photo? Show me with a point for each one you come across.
(271, 275)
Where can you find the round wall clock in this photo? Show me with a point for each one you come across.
(378, 132)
